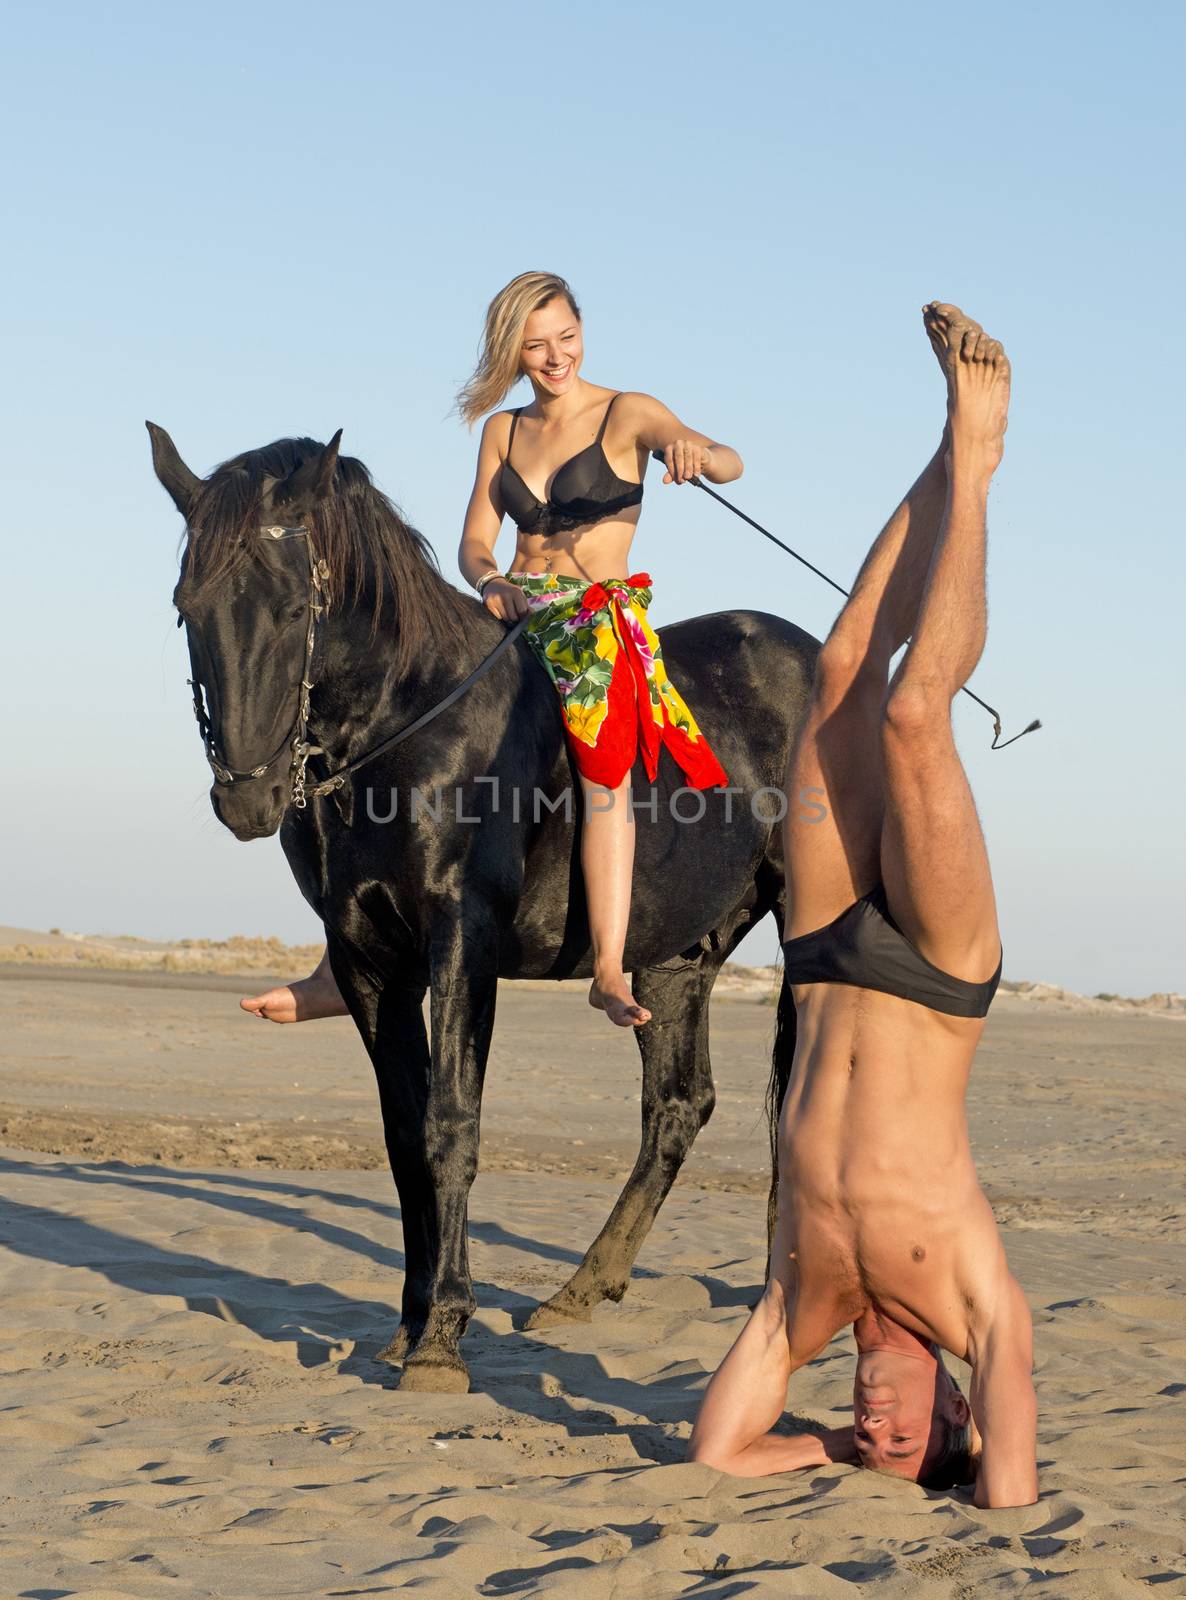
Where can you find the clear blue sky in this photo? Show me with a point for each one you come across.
(251, 220)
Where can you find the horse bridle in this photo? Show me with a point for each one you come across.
(297, 728)
(296, 737)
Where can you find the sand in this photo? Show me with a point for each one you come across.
(201, 1256)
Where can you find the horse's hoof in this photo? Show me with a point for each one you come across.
(557, 1311)
(436, 1375)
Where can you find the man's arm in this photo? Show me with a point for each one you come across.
(787, 1452)
(747, 1396)
(1004, 1406)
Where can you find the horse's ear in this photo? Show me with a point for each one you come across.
(181, 483)
(310, 482)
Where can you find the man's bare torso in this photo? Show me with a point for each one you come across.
(879, 1201)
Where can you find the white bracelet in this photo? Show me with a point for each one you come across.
(487, 577)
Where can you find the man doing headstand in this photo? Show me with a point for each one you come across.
(893, 954)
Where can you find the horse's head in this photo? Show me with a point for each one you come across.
(251, 584)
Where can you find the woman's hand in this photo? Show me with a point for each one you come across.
(685, 458)
(504, 600)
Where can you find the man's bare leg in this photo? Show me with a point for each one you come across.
(934, 862)
(834, 858)
(317, 995)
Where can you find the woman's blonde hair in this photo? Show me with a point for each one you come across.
(500, 361)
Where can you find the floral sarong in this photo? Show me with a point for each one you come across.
(606, 662)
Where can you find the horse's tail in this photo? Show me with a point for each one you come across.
(782, 1057)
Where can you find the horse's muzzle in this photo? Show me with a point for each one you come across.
(251, 809)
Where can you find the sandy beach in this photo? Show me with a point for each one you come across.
(201, 1257)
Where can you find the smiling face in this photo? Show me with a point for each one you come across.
(902, 1408)
(552, 348)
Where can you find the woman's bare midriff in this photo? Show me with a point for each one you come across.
(598, 551)
(876, 1173)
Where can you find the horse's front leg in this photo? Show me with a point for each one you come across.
(400, 1057)
(464, 987)
(388, 1012)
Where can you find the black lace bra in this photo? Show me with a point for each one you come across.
(585, 489)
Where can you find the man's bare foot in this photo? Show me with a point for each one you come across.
(978, 377)
(611, 994)
(315, 996)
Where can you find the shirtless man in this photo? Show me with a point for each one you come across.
(881, 1221)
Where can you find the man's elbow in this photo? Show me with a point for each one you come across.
(1011, 1478)
(1000, 1496)
(701, 1452)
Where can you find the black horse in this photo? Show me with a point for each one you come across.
(319, 625)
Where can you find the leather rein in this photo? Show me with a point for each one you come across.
(297, 736)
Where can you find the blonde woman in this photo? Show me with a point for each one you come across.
(567, 467)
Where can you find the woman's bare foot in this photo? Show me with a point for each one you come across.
(609, 992)
(317, 995)
(978, 379)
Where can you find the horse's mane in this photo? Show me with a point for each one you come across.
(356, 529)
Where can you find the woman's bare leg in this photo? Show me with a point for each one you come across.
(317, 995)
(607, 859)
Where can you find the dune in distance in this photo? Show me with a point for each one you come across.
(272, 958)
